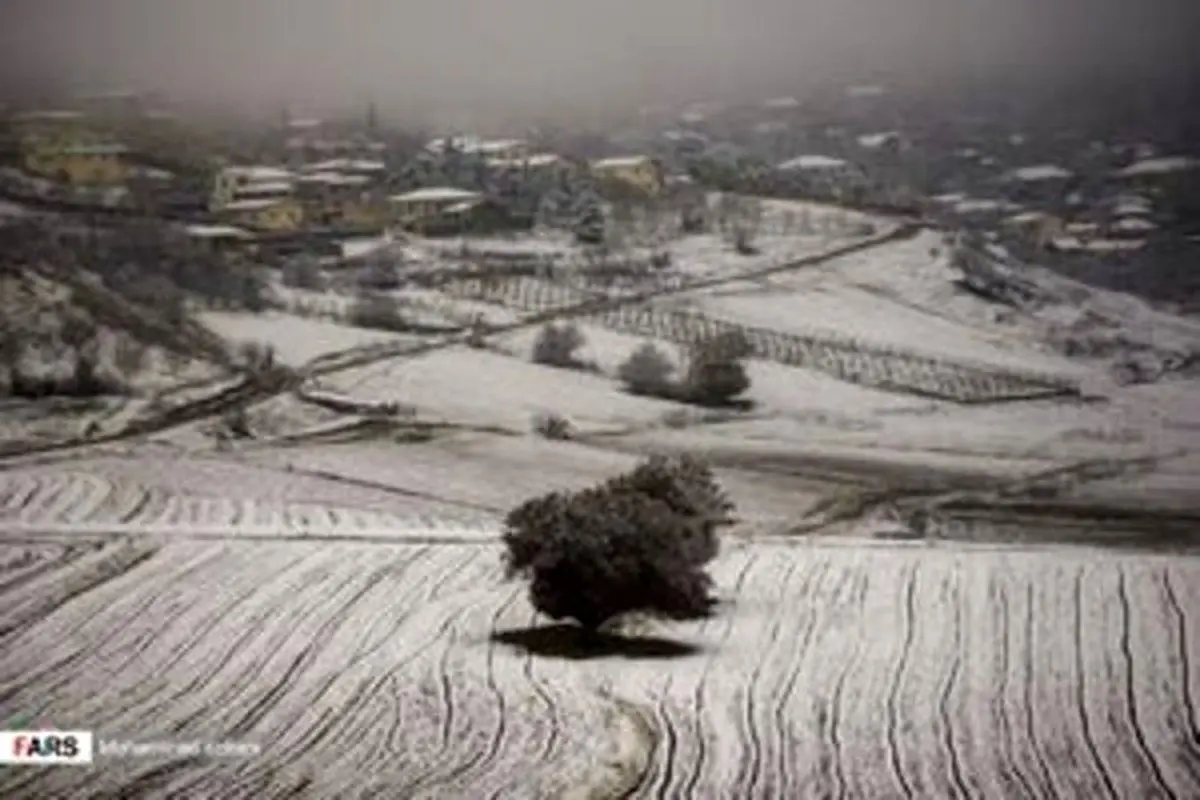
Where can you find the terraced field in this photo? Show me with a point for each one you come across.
(410, 669)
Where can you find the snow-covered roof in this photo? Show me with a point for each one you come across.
(979, 205)
(152, 173)
(217, 232)
(258, 173)
(434, 193)
(1158, 166)
(874, 140)
(473, 144)
(947, 199)
(463, 207)
(781, 102)
(266, 187)
(536, 160)
(346, 165)
(253, 205)
(1027, 218)
(1039, 172)
(1133, 225)
(1085, 228)
(1070, 244)
(617, 162)
(304, 124)
(335, 179)
(812, 162)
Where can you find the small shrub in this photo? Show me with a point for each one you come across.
(377, 311)
(660, 259)
(639, 542)
(556, 345)
(554, 427)
(236, 423)
(256, 357)
(303, 273)
(647, 372)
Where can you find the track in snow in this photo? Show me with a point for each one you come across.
(831, 672)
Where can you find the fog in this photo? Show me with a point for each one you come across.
(569, 57)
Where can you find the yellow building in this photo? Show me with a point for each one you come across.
(269, 215)
(643, 173)
(62, 146)
(415, 207)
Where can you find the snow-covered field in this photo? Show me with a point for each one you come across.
(296, 340)
(485, 388)
(413, 670)
(336, 601)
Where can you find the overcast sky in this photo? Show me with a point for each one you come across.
(540, 55)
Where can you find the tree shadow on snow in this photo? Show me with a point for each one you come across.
(572, 642)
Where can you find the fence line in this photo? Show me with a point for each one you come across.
(843, 357)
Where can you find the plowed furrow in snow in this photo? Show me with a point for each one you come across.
(1143, 759)
(927, 757)
(83, 493)
(681, 745)
(145, 694)
(43, 504)
(806, 732)
(16, 490)
(1156, 641)
(1084, 707)
(1033, 694)
(325, 677)
(68, 630)
(1057, 688)
(947, 708)
(869, 684)
(705, 768)
(846, 656)
(750, 707)
(472, 774)
(993, 680)
(1180, 661)
(894, 732)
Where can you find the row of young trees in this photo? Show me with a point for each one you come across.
(714, 373)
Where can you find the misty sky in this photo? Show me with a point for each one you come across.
(538, 56)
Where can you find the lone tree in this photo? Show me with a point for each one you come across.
(638, 542)
(715, 373)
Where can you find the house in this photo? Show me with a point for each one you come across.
(64, 146)
(220, 237)
(643, 173)
(479, 216)
(415, 207)
(265, 215)
(539, 163)
(83, 164)
(239, 184)
(510, 149)
(820, 174)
